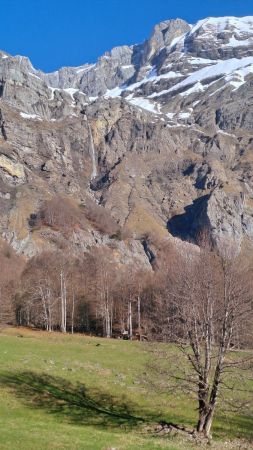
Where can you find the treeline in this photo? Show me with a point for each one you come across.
(90, 293)
(87, 294)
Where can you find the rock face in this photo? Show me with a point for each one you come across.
(159, 135)
(225, 38)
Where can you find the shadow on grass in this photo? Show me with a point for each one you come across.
(74, 402)
(80, 405)
(237, 426)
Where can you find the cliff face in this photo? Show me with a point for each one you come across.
(159, 135)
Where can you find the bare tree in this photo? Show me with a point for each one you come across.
(11, 267)
(103, 279)
(39, 292)
(208, 296)
(63, 298)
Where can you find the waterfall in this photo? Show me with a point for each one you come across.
(92, 153)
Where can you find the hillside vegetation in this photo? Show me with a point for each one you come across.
(79, 392)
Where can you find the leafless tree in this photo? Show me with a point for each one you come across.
(102, 280)
(11, 267)
(208, 296)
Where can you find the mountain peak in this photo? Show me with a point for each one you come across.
(167, 124)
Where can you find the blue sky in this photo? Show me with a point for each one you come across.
(55, 33)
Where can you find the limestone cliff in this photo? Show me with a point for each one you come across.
(159, 135)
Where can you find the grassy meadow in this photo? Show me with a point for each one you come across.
(79, 392)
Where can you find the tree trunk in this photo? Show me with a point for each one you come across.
(207, 408)
(208, 421)
(49, 310)
(44, 307)
(72, 314)
(107, 313)
(65, 306)
(107, 322)
(130, 323)
(63, 303)
(111, 319)
(139, 313)
(202, 416)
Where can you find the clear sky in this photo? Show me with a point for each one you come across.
(55, 33)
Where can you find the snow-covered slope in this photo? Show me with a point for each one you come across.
(217, 53)
(167, 75)
(178, 60)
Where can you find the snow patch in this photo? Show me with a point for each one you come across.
(184, 115)
(226, 134)
(30, 116)
(243, 25)
(198, 87)
(217, 90)
(170, 115)
(33, 75)
(200, 61)
(219, 69)
(92, 99)
(113, 93)
(143, 103)
(233, 42)
(127, 67)
(176, 40)
(237, 78)
(52, 92)
(81, 69)
(151, 77)
(71, 92)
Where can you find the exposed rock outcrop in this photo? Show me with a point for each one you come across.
(171, 124)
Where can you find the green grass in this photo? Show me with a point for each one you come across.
(76, 392)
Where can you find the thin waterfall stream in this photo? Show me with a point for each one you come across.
(92, 153)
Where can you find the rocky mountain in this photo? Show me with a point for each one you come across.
(152, 142)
